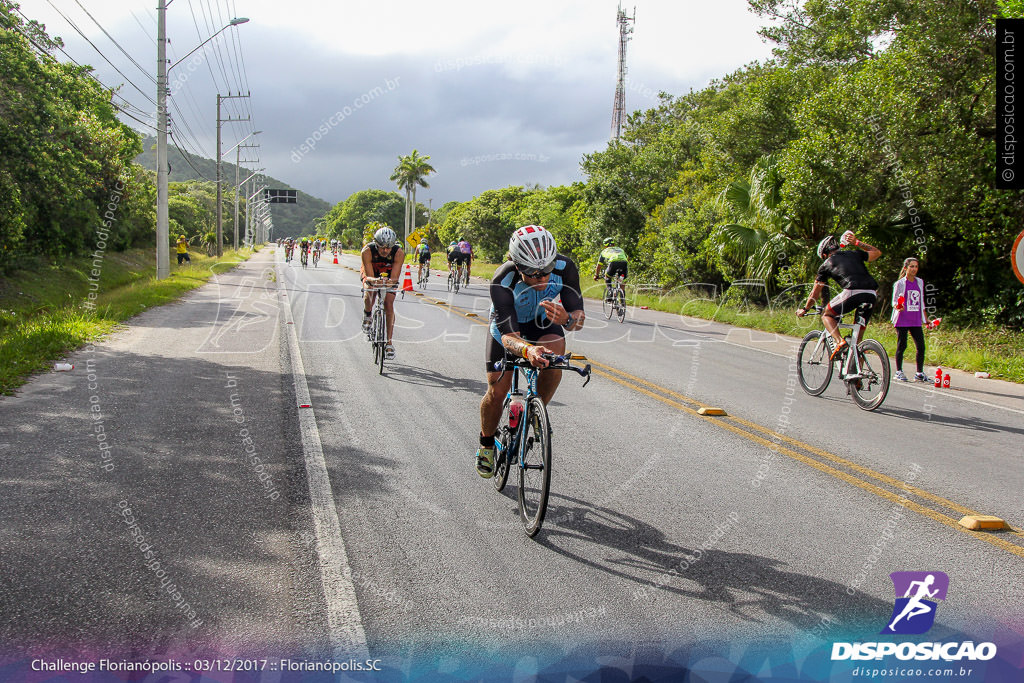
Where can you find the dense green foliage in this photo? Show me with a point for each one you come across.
(65, 159)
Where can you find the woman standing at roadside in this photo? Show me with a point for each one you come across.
(908, 315)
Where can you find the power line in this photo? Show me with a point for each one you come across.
(116, 44)
(84, 71)
(74, 26)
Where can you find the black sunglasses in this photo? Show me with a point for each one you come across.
(537, 272)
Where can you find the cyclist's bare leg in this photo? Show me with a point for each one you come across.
(832, 327)
(493, 401)
(368, 301)
(548, 380)
(389, 311)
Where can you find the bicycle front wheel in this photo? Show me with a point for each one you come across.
(535, 469)
(869, 391)
(502, 456)
(814, 369)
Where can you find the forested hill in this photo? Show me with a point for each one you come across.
(289, 219)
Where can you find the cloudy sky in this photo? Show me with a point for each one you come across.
(496, 93)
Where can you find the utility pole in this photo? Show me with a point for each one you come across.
(220, 227)
(163, 247)
(624, 23)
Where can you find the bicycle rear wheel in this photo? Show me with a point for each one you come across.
(455, 282)
(451, 280)
(607, 305)
(814, 369)
(875, 375)
(535, 470)
(620, 305)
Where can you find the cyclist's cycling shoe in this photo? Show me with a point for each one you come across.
(900, 376)
(366, 325)
(485, 462)
(389, 352)
(838, 352)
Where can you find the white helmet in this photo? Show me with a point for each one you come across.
(385, 237)
(533, 249)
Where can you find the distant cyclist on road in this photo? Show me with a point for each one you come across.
(467, 255)
(422, 255)
(613, 259)
(382, 264)
(527, 322)
(304, 251)
(848, 270)
(454, 256)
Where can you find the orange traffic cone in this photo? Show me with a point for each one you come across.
(335, 258)
(407, 280)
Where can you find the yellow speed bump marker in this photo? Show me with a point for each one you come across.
(708, 410)
(983, 523)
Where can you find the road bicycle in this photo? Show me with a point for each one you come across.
(316, 258)
(378, 331)
(524, 437)
(454, 277)
(865, 373)
(615, 299)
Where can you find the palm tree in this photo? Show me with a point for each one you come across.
(410, 172)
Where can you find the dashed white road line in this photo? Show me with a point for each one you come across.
(345, 627)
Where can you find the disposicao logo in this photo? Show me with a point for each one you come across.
(917, 594)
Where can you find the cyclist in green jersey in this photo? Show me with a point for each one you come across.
(614, 259)
(422, 256)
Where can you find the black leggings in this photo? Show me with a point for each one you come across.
(901, 345)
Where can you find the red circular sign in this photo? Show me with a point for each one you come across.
(1017, 257)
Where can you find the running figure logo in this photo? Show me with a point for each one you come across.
(917, 594)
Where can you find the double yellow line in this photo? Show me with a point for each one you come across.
(881, 485)
(927, 504)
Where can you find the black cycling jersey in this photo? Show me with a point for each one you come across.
(381, 264)
(848, 270)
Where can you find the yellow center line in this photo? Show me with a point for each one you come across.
(808, 447)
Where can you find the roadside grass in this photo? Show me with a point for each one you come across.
(43, 315)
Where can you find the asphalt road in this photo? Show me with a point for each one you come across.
(781, 519)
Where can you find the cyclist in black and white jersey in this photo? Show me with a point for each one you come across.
(848, 270)
(528, 322)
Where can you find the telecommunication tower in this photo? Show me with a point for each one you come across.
(625, 24)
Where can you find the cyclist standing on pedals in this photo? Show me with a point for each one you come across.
(615, 262)
(467, 255)
(422, 255)
(848, 270)
(382, 263)
(527, 322)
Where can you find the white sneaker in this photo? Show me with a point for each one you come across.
(366, 325)
(900, 376)
(389, 352)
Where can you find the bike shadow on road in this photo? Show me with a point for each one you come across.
(974, 424)
(412, 374)
(754, 588)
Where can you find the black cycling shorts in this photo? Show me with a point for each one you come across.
(848, 300)
(531, 332)
(424, 258)
(615, 268)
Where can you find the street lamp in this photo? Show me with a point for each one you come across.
(163, 252)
